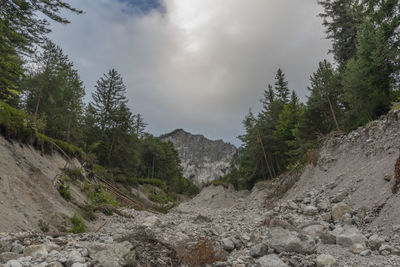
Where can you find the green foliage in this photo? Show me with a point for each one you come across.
(99, 196)
(152, 181)
(88, 212)
(53, 90)
(73, 173)
(43, 226)
(368, 77)
(78, 226)
(64, 192)
(161, 197)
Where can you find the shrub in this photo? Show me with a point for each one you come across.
(161, 197)
(152, 181)
(98, 195)
(312, 157)
(74, 174)
(202, 253)
(64, 191)
(78, 226)
(16, 124)
(88, 212)
(43, 226)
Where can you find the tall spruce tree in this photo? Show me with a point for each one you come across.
(108, 98)
(281, 87)
(342, 19)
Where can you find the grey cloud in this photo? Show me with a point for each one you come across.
(201, 64)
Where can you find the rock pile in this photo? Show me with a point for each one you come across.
(307, 231)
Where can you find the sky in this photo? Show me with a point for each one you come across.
(195, 64)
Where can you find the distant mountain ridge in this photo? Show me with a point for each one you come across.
(202, 159)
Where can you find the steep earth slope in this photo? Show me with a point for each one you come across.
(358, 168)
(203, 160)
(28, 190)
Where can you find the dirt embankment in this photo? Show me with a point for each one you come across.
(27, 188)
(358, 168)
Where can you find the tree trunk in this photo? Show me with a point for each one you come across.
(265, 156)
(333, 112)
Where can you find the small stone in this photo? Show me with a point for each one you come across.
(366, 252)
(17, 248)
(77, 264)
(339, 197)
(368, 219)
(259, 250)
(387, 177)
(151, 221)
(307, 200)
(374, 242)
(323, 205)
(13, 263)
(327, 238)
(291, 205)
(228, 244)
(74, 257)
(325, 260)
(310, 210)
(339, 209)
(357, 248)
(385, 249)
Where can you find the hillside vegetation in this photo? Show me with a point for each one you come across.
(360, 86)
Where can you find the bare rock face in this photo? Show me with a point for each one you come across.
(203, 160)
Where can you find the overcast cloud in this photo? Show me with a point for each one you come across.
(196, 64)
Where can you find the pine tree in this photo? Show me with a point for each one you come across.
(24, 28)
(139, 125)
(342, 19)
(281, 87)
(368, 78)
(325, 104)
(54, 91)
(108, 97)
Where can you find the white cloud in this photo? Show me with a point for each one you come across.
(203, 63)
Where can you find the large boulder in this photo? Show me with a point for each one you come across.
(348, 236)
(111, 255)
(325, 260)
(35, 251)
(375, 242)
(271, 260)
(284, 240)
(339, 209)
(259, 250)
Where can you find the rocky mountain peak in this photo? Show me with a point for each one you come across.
(202, 159)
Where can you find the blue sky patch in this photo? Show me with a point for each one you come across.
(143, 6)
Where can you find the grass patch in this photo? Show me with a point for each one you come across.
(88, 213)
(43, 226)
(64, 192)
(161, 197)
(78, 226)
(74, 174)
(152, 181)
(99, 196)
